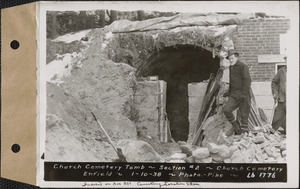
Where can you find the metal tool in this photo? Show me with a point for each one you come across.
(119, 151)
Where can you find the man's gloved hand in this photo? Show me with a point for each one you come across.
(226, 94)
(275, 96)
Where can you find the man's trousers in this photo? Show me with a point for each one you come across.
(236, 101)
(279, 119)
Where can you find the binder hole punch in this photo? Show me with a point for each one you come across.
(15, 148)
(14, 44)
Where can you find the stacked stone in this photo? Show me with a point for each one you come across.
(196, 92)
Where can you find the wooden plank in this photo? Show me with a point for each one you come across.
(210, 80)
(205, 118)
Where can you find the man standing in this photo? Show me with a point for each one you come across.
(239, 92)
(279, 94)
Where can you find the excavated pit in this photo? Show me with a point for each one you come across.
(178, 66)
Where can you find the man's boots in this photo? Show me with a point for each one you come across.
(244, 128)
(236, 127)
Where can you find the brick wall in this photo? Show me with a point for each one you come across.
(257, 37)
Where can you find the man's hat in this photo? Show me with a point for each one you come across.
(231, 52)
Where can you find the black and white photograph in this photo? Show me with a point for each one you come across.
(196, 96)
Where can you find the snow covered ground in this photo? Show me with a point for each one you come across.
(61, 68)
(70, 37)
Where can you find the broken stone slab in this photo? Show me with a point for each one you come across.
(236, 143)
(240, 158)
(251, 134)
(227, 161)
(208, 122)
(223, 139)
(176, 161)
(258, 150)
(187, 149)
(200, 153)
(277, 150)
(245, 143)
(212, 147)
(190, 159)
(255, 161)
(265, 144)
(278, 137)
(259, 158)
(277, 144)
(237, 152)
(283, 153)
(237, 138)
(283, 147)
(272, 148)
(270, 160)
(267, 136)
(258, 139)
(204, 160)
(181, 142)
(268, 151)
(234, 148)
(260, 134)
(277, 155)
(179, 156)
(281, 160)
(224, 151)
(250, 153)
(265, 156)
(217, 158)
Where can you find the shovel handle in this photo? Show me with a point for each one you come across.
(105, 133)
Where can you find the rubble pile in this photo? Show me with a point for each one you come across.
(249, 148)
(259, 148)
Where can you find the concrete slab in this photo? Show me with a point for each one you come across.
(192, 128)
(261, 88)
(150, 114)
(264, 102)
(196, 100)
(193, 116)
(146, 88)
(149, 129)
(263, 96)
(146, 101)
(197, 89)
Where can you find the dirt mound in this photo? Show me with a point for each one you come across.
(98, 85)
(64, 143)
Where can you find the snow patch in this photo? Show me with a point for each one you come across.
(57, 70)
(109, 35)
(70, 37)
